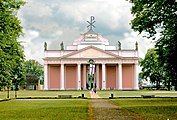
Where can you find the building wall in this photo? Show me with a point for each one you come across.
(111, 76)
(54, 77)
(127, 76)
(100, 76)
(70, 77)
(82, 76)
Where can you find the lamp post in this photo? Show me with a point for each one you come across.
(16, 86)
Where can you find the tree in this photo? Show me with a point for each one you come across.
(12, 56)
(151, 69)
(34, 72)
(159, 17)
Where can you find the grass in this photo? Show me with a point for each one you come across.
(150, 109)
(107, 93)
(76, 109)
(44, 110)
(101, 93)
(33, 93)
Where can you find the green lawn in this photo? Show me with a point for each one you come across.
(107, 93)
(77, 109)
(101, 93)
(150, 109)
(33, 93)
(44, 109)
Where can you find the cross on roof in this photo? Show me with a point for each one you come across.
(92, 18)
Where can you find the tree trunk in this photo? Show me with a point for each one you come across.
(168, 85)
(157, 85)
(8, 92)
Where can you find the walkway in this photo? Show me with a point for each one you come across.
(102, 109)
(93, 95)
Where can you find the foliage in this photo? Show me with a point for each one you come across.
(159, 17)
(12, 57)
(151, 69)
(34, 72)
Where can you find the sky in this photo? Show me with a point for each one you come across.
(54, 21)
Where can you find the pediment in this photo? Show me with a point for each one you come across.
(91, 52)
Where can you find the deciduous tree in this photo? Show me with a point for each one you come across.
(151, 69)
(159, 17)
(11, 54)
(34, 72)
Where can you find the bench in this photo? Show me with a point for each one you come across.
(64, 96)
(147, 96)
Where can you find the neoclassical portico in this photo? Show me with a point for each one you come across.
(68, 69)
(71, 71)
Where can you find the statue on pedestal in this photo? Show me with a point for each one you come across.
(62, 45)
(45, 46)
(136, 45)
(119, 45)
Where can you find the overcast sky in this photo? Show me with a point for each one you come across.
(54, 21)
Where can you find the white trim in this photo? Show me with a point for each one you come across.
(84, 76)
(136, 76)
(120, 77)
(45, 76)
(103, 77)
(79, 76)
(62, 77)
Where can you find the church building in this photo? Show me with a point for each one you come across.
(112, 67)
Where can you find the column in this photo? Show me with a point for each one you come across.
(136, 77)
(120, 77)
(117, 76)
(45, 76)
(79, 76)
(103, 77)
(84, 76)
(62, 71)
(97, 76)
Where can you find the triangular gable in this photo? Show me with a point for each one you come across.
(91, 52)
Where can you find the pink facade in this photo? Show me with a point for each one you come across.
(71, 77)
(67, 69)
(54, 77)
(128, 76)
(111, 76)
(100, 77)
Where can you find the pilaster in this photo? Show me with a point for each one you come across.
(79, 76)
(62, 77)
(120, 77)
(84, 76)
(103, 77)
(136, 87)
(45, 76)
(97, 76)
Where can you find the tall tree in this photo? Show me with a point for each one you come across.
(34, 72)
(151, 69)
(159, 17)
(12, 56)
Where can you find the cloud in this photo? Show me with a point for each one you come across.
(64, 20)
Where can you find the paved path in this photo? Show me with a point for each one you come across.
(93, 95)
(102, 109)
